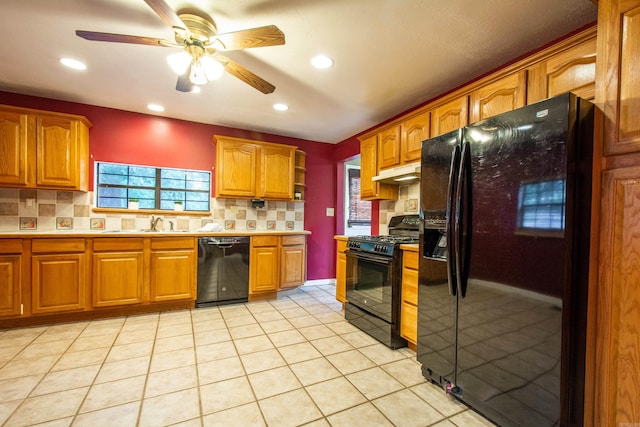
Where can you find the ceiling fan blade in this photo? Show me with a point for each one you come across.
(269, 35)
(184, 84)
(123, 38)
(245, 75)
(166, 13)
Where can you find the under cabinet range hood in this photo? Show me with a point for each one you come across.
(405, 174)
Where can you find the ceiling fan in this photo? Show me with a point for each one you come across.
(196, 33)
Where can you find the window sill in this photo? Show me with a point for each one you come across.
(150, 212)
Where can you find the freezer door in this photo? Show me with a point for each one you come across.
(514, 268)
(436, 342)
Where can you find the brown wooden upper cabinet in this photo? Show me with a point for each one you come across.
(412, 132)
(389, 147)
(253, 169)
(369, 189)
(570, 70)
(505, 94)
(43, 149)
(450, 116)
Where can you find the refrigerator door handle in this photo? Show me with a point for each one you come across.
(461, 207)
(450, 231)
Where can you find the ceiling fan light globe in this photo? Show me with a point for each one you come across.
(197, 75)
(212, 68)
(179, 62)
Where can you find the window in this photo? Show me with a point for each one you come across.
(541, 205)
(154, 188)
(359, 210)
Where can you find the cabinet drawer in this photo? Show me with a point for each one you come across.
(410, 286)
(410, 259)
(257, 241)
(173, 243)
(10, 246)
(293, 240)
(118, 244)
(342, 245)
(57, 245)
(409, 322)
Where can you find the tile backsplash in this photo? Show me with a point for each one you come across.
(408, 203)
(50, 210)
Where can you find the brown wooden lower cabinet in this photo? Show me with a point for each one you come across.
(10, 277)
(341, 270)
(276, 262)
(172, 275)
(118, 271)
(409, 304)
(58, 275)
(293, 255)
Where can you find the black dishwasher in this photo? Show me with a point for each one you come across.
(223, 270)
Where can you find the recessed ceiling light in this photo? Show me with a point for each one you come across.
(322, 61)
(73, 63)
(155, 107)
(195, 89)
(280, 107)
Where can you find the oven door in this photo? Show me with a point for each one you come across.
(370, 284)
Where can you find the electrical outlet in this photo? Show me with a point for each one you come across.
(29, 202)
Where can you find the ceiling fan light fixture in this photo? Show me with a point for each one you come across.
(179, 62)
(212, 68)
(197, 75)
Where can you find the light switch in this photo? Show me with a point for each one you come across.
(329, 211)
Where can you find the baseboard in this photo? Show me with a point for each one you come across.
(321, 282)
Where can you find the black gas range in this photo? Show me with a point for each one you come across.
(374, 274)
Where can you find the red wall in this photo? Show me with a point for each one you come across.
(122, 136)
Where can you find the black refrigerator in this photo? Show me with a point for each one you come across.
(504, 265)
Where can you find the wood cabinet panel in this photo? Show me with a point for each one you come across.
(619, 74)
(58, 283)
(173, 275)
(618, 299)
(56, 152)
(571, 70)
(10, 285)
(263, 269)
(413, 132)
(409, 322)
(369, 189)
(505, 94)
(235, 169)
(409, 297)
(389, 147)
(13, 148)
(341, 269)
(450, 116)
(276, 172)
(293, 261)
(117, 278)
(58, 245)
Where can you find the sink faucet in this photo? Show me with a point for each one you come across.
(154, 222)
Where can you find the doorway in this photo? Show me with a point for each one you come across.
(357, 217)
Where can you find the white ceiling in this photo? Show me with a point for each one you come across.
(390, 55)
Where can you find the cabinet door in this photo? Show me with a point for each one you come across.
(276, 172)
(117, 278)
(13, 148)
(263, 269)
(10, 281)
(618, 77)
(572, 70)
(293, 259)
(173, 275)
(389, 147)
(370, 190)
(57, 283)
(341, 274)
(413, 132)
(498, 97)
(57, 152)
(450, 116)
(235, 169)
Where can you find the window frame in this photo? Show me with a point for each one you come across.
(157, 189)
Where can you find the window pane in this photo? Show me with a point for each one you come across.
(542, 205)
(172, 183)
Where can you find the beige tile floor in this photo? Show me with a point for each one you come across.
(291, 361)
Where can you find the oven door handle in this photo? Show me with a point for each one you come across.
(368, 257)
